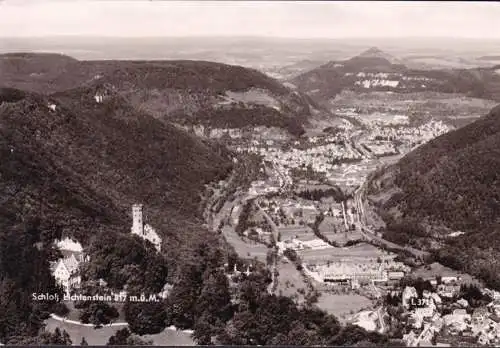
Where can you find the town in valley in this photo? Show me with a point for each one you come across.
(303, 188)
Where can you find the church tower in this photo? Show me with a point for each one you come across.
(137, 223)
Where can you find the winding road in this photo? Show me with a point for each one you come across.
(79, 323)
(380, 315)
(75, 322)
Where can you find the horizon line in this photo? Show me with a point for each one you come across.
(261, 37)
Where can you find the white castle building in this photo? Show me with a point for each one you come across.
(144, 231)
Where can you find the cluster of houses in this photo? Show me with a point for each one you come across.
(297, 244)
(381, 148)
(288, 212)
(410, 135)
(261, 187)
(479, 325)
(321, 158)
(393, 80)
(328, 155)
(354, 272)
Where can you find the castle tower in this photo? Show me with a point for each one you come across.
(137, 223)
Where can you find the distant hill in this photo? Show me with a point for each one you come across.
(375, 70)
(495, 57)
(185, 92)
(450, 184)
(375, 52)
(288, 72)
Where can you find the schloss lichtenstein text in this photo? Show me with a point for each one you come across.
(95, 298)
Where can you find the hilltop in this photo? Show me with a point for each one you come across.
(185, 92)
(375, 52)
(451, 184)
(373, 58)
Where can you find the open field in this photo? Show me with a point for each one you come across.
(427, 101)
(102, 335)
(343, 237)
(171, 338)
(290, 280)
(245, 249)
(302, 233)
(362, 250)
(342, 305)
(422, 105)
(310, 187)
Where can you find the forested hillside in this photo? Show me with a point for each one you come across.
(186, 92)
(76, 171)
(72, 166)
(453, 181)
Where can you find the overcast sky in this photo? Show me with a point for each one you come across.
(246, 18)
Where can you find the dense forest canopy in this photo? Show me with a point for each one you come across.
(181, 91)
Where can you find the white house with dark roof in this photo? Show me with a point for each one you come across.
(66, 269)
(66, 273)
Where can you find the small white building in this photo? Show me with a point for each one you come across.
(463, 303)
(167, 288)
(449, 279)
(408, 293)
(142, 230)
(425, 312)
(99, 98)
(66, 273)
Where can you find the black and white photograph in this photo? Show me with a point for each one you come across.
(265, 173)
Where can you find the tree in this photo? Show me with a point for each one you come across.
(215, 298)
(59, 338)
(213, 307)
(98, 313)
(134, 340)
(84, 342)
(145, 317)
(44, 338)
(181, 302)
(270, 256)
(119, 338)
